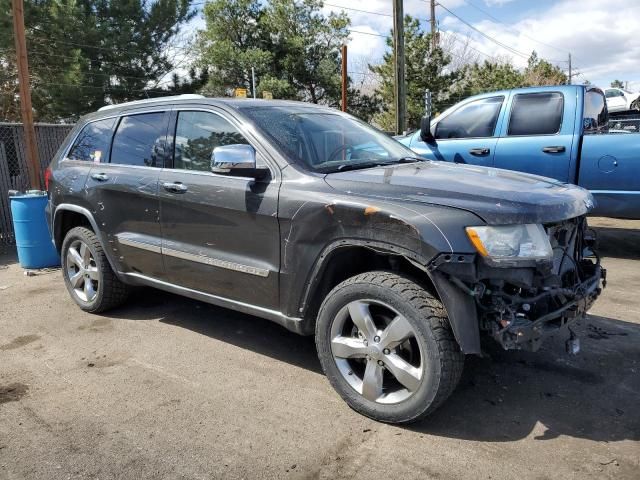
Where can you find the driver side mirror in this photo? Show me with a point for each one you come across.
(236, 160)
(425, 130)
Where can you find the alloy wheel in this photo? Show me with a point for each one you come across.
(82, 271)
(376, 351)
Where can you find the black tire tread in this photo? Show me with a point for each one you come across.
(450, 355)
(114, 293)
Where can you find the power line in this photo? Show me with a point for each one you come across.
(468, 2)
(455, 38)
(358, 10)
(46, 41)
(488, 37)
(368, 33)
(497, 42)
(370, 12)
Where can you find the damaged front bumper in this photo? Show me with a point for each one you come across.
(517, 331)
(522, 306)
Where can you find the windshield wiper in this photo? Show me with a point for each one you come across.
(408, 160)
(356, 166)
(362, 165)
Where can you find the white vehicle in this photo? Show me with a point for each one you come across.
(621, 100)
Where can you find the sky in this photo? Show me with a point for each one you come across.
(601, 36)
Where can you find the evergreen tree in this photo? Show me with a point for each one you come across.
(426, 68)
(84, 54)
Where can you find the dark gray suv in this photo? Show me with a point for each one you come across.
(306, 216)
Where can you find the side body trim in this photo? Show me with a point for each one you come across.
(290, 323)
(216, 262)
(141, 245)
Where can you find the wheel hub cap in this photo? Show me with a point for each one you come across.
(376, 351)
(82, 271)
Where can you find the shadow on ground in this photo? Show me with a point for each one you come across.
(618, 242)
(501, 397)
(244, 331)
(593, 395)
(8, 256)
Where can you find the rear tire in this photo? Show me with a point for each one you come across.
(87, 274)
(386, 346)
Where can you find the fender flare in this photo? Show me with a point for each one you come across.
(92, 221)
(462, 312)
(460, 307)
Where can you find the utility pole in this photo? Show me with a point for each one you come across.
(432, 19)
(344, 78)
(569, 69)
(398, 60)
(253, 81)
(33, 165)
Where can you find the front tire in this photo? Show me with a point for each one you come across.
(386, 346)
(87, 273)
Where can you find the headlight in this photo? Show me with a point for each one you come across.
(511, 242)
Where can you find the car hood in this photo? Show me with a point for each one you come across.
(499, 197)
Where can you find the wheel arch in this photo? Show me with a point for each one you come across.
(346, 258)
(67, 216)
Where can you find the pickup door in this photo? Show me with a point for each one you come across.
(610, 162)
(465, 135)
(537, 135)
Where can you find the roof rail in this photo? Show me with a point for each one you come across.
(184, 96)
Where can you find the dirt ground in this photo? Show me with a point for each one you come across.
(167, 387)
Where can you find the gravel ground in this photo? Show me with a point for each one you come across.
(167, 387)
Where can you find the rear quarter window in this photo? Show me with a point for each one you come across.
(92, 143)
(536, 114)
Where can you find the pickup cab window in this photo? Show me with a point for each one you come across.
(596, 116)
(536, 113)
(476, 119)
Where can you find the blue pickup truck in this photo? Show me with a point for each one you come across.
(560, 132)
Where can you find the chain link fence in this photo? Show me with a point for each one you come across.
(13, 165)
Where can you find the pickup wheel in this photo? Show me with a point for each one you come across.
(386, 346)
(87, 273)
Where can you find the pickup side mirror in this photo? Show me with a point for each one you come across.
(236, 160)
(425, 130)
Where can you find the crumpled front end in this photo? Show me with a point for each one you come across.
(520, 306)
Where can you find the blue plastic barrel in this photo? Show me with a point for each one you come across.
(35, 249)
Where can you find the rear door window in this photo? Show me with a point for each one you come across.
(140, 140)
(92, 144)
(536, 114)
(476, 119)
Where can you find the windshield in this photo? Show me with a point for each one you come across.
(327, 142)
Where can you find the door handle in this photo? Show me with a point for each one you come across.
(175, 187)
(479, 152)
(100, 177)
(554, 149)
